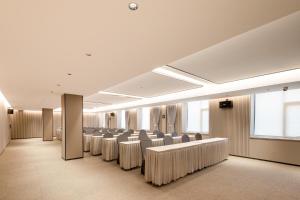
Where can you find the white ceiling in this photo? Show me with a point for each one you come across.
(271, 48)
(150, 85)
(42, 41)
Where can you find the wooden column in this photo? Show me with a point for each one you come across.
(72, 122)
(47, 124)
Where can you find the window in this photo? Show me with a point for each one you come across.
(197, 116)
(145, 118)
(123, 119)
(277, 114)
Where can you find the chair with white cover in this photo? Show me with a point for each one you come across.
(198, 136)
(145, 143)
(185, 138)
(168, 140)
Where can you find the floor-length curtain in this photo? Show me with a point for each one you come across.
(155, 117)
(171, 118)
(127, 119)
(178, 121)
(26, 124)
(106, 120)
(132, 119)
(232, 123)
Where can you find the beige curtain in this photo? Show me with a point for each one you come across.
(154, 118)
(232, 123)
(26, 124)
(4, 127)
(127, 119)
(171, 118)
(56, 121)
(106, 120)
(132, 119)
(91, 120)
(178, 121)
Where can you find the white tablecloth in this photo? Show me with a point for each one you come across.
(131, 155)
(95, 145)
(134, 138)
(167, 163)
(86, 142)
(109, 149)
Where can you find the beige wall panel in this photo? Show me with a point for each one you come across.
(72, 118)
(286, 151)
(47, 115)
(163, 121)
(133, 119)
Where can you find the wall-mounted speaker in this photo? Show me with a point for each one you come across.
(10, 111)
(225, 104)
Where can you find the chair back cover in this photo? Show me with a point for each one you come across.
(155, 132)
(144, 145)
(123, 137)
(174, 134)
(143, 131)
(168, 140)
(108, 135)
(185, 138)
(131, 131)
(198, 136)
(143, 136)
(160, 135)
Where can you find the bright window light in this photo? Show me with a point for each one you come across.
(179, 75)
(277, 114)
(6, 103)
(197, 116)
(122, 95)
(123, 119)
(146, 118)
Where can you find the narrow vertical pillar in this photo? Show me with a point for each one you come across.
(72, 118)
(47, 124)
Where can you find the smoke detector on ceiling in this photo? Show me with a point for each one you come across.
(133, 6)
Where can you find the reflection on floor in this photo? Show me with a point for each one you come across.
(32, 169)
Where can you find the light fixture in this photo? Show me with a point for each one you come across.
(88, 54)
(133, 6)
(122, 95)
(69, 74)
(6, 103)
(180, 75)
(57, 109)
(240, 87)
(58, 85)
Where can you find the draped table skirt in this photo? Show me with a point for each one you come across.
(95, 145)
(109, 149)
(86, 142)
(168, 163)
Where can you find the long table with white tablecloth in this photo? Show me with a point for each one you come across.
(130, 152)
(110, 148)
(165, 164)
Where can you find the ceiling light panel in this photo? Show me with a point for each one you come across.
(121, 95)
(180, 75)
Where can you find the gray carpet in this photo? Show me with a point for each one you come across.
(32, 169)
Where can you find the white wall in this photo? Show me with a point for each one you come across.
(4, 127)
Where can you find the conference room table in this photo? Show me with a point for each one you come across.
(165, 164)
(86, 142)
(130, 152)
(96, 144)
(110, 148)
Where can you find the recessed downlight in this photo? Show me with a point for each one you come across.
(133, 6)
(69, 74)
(88, 54)
(58, 85)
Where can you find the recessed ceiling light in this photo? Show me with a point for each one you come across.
(69, 74)
(180, 75)
(58, 85)
(88, 54)
(133, 6)
(122, 95)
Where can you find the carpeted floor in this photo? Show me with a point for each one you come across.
(32, 169)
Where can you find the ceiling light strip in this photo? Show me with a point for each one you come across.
(122, 95)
